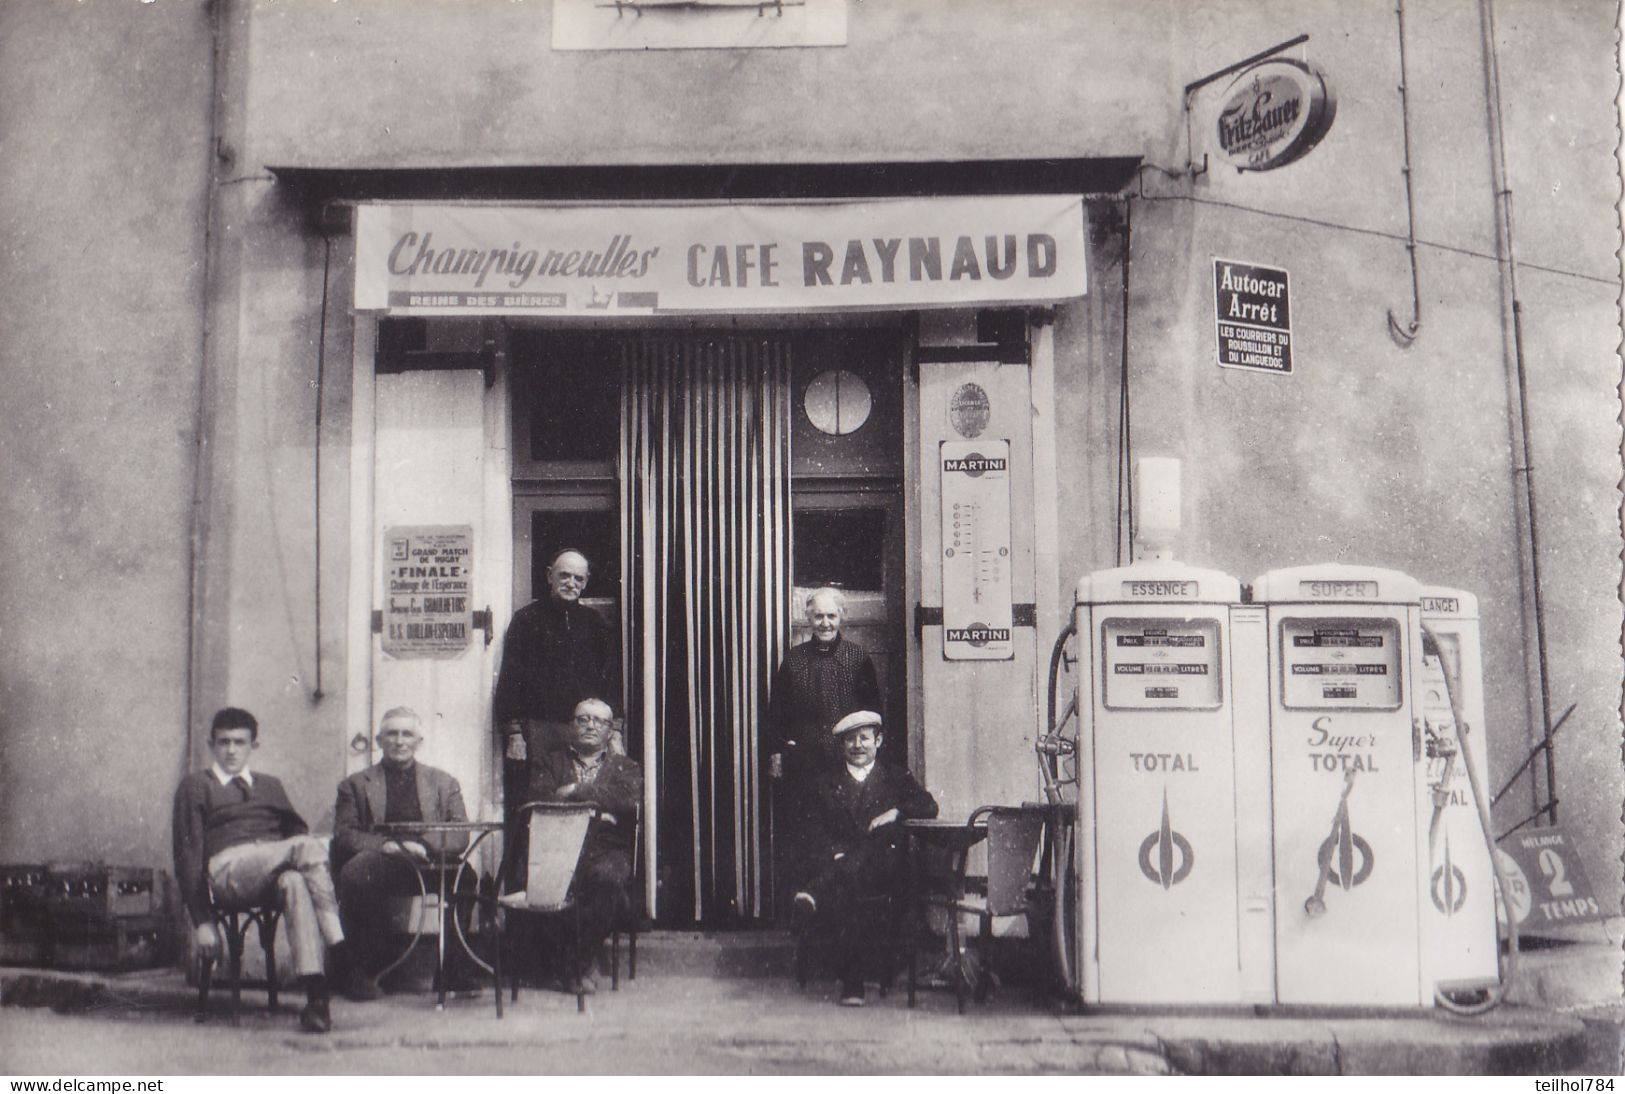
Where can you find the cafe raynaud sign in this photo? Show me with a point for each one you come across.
(445, 259)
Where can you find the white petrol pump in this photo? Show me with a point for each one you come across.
(1159, 747)
(1345, 725)
(1279, 789)
(1458, 881)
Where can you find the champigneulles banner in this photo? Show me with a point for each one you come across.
(474, 259)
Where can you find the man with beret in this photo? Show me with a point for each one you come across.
(852, 844)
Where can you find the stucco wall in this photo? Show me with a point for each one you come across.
(412, 85)
(1382, 454)
(104, 145)
(282, 363)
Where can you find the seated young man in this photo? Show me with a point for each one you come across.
(375, 870)
(236, 834)
(852, 843)
(588, 771)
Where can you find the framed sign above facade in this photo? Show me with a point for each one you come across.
(1274, 113)
(697, 24)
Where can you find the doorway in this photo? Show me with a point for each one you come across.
(699, 473)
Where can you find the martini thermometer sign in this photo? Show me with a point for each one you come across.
(977, 605)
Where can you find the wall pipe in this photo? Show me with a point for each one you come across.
(1526, 467)
(1407, 334)
(1125, 437)
(317, 694)
(203, 412)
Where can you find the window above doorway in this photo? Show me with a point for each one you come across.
(697, 24)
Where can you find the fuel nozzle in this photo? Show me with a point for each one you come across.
(1315, 906)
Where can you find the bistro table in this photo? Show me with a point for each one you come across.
(442, 865)
(956, 838)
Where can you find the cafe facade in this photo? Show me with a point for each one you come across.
(388, 303)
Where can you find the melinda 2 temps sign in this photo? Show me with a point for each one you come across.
(442, 259)
(1273, 113)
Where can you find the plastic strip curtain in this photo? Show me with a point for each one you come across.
(706, 497)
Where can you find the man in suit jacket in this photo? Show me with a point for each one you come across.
(239, 841)
(375, 870)
(587, 771)
(853, 842)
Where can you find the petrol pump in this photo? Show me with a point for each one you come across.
(1345, 662)
(1159, 747)
(1458, 882)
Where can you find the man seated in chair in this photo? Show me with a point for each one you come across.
(237, 835)
(853, 844)
(588, 771)
(376, 872)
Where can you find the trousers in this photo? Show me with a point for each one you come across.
(370, 886)
(843, 890)
(294, 872)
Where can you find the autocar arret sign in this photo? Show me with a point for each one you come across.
(977, 607)
(1252, 308)
(428, 583)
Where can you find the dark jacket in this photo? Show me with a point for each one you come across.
(617, 792)
(361, 806)
(209, 817)
(838, 809)
(555, 654)
(815, 687)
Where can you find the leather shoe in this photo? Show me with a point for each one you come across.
(360, 989)
(315, 1017)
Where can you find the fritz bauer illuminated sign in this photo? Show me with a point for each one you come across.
(1274, 113)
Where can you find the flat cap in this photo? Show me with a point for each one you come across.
(858, 719)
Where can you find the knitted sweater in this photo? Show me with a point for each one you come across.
(816, 687)
(210, 818)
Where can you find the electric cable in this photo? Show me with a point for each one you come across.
(1376, 233)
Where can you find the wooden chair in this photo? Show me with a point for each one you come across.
(231, 925)
(630, 914)
(557, 834)
(1013, 837)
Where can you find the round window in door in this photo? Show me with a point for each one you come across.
(837, 402)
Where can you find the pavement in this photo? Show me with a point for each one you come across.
(726, 1004)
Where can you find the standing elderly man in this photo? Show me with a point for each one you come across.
(375, 870)
(239, 841)
(557, 652)
(820, 681)
(853, 844)
(587, 771)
